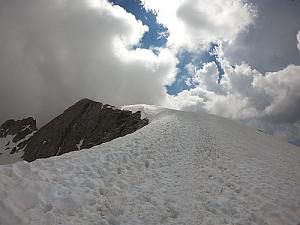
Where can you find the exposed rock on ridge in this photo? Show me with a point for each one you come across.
(84, 125)
(18, 130)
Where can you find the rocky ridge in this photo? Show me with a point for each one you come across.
(83, 125)
(15, 135)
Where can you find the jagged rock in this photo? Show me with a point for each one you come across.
(84, 125)
(17, 130)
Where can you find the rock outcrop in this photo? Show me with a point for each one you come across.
(84, 125)
(19, 128)
(15, 134)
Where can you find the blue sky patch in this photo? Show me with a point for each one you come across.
(198, 60)
(157, 37)
(157, 34)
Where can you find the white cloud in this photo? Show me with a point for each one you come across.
(220, 99)
(207, 78)
(194, 23)
(283, 89)
(270, 102)
(245, 93)
(56, 52)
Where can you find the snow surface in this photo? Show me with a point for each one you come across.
(150, 112)
(182, 168)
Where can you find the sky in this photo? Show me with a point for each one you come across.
(239, 59)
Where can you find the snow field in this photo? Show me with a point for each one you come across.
(182, 168)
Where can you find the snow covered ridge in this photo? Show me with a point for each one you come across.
(151, 112)
(182, 168)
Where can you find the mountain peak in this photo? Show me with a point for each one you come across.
(83, 125)
(15, 127)
(85, 101)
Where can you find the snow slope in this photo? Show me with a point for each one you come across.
(182, 168)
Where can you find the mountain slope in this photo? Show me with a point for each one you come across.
(183, 168)
(85, 124)
(14, 136)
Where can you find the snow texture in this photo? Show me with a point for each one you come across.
(182, 168)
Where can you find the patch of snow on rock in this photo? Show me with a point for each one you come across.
(79, 144)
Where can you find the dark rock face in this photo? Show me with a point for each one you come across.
(83, 125)
(19, 129)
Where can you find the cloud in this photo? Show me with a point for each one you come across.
(244, 93)
(268, 45)
(193, 24)
(220, 99)
(270, 101)
(283, 89)
(53, 53)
